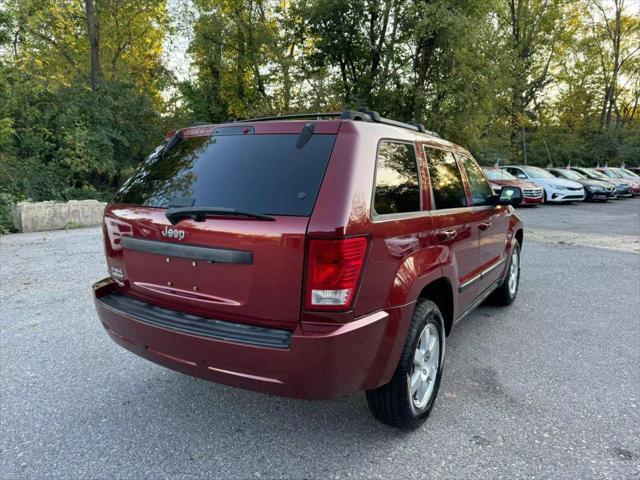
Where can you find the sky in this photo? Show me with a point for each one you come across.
(175, 56)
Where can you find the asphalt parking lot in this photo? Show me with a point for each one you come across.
(547, 388)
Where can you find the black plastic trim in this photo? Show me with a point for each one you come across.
(193, 252)
(481, 275)
(478, 300)
(192, 324)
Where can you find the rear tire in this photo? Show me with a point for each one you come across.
(506, 293)
(406, 401)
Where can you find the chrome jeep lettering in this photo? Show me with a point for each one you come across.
(173, 233)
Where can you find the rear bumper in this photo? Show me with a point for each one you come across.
(317, 360)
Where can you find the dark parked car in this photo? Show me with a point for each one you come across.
(595, 190)
(309, 256)
(623, 188)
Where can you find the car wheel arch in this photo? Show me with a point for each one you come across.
(520, 236)
(440, 292)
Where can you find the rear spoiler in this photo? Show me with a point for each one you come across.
(208, 130)
(200, 131)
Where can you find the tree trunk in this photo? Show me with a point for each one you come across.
(611, 86)
(616, 66)
(94, 44)
(240, 58)
(422, 58)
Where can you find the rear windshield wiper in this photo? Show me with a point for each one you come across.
(175, 214)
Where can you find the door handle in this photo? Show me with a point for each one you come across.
(447, 235)
(484, 226)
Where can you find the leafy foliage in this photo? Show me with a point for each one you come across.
(58, 139)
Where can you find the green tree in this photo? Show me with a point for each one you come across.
(67, 132)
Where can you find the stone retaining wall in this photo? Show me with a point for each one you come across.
(41, 216)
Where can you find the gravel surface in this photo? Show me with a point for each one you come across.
(547, 388)
(612, 225)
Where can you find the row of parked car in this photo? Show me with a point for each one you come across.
(565, 184)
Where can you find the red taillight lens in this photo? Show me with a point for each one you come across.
(333, 272)
(115, 231)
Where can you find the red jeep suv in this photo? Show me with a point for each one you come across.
(308, 256)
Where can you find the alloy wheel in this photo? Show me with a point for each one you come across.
(514, 272)
(426, 361)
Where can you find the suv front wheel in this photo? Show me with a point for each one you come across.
(406, 401)
(506, 293)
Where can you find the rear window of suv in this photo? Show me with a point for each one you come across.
(262, 173)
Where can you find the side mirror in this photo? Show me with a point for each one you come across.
(521, 175)
(510, 196)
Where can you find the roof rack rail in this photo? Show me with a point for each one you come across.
(421, 128)
(302, 116)
(363, 114)
(346, 115)
(418, 127)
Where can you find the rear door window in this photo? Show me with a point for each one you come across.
(397, 185)
(262, 173)
(516, 172)
(446, 180)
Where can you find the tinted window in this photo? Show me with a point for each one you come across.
(397, 185)
(263, 173)
(480, 188)
(446, 182)
(571, 175)
(594, 173)
(609, 173)
(535, 172)
(498, 174)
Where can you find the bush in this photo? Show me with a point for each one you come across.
(69, 143)
(7, 203)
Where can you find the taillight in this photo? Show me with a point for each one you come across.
(333, 272)
(115, 231)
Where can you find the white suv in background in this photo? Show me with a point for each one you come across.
(555, 189)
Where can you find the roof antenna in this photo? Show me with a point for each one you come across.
(305, 135)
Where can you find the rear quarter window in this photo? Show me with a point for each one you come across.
(262, 173)
(397, 188)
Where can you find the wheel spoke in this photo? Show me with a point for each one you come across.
(424, 340)
(418, 359)
(432, 344)
(415, 382)
(434, 359)
(420, 391)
